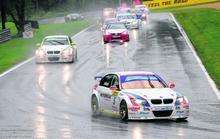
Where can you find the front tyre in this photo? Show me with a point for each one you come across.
(95, 106)
(123, 111)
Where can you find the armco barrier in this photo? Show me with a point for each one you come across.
(155, 4)
(5, 35)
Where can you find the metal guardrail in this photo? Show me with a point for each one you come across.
(5, 35)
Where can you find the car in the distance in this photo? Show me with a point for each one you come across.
(129, 20)
(59, 48)
(141, 12)
(116, 32)
(138, 95)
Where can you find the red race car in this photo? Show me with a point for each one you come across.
(116, 32)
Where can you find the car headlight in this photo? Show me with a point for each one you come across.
(67, 52)
(40, 53)
(182, 101)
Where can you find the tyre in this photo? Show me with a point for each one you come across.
(95, 106)
(123, 111)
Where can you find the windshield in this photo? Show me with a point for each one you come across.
(142, 82)
(56, 41)
(116, 26)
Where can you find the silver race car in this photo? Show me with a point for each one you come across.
(56, 49)
(138, 96)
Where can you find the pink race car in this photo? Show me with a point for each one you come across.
(115, 32)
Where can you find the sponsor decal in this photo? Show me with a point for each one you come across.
(105, 96)
(146, 109)
(154, 4)
(134, 109)
(162, 108)
(144, 113)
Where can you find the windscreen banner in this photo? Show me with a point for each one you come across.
(154, 4)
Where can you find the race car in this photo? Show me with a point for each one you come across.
(138, 95)
(115, 32)
(73, 17)
(58, 48)
(141, 12)
(129, 20)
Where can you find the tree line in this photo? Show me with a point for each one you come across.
(18, 10)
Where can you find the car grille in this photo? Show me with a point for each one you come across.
(53, 58)
(167, 101)
(162, 113)
(156, 101)
(49, 52)
(159, 101)
(53, 52)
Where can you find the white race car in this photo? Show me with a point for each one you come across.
(138, 96)
(56, 49)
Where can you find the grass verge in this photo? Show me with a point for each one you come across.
(19, 49)
(203, 28)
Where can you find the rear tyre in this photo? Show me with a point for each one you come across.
(123, 111)
(95, 106)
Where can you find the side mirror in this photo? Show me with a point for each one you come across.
(171, 85)
(38, 44)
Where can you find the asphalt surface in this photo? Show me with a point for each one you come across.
(53, 100)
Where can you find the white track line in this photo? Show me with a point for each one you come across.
(211, 82)
(32, 58)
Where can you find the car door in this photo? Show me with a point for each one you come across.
(104, 92)
(115, 100)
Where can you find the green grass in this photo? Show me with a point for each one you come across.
(19, 49)
(203, 28)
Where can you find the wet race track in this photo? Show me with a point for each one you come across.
(53, 100)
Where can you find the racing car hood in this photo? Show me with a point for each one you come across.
(116, 30)
(157, 93)
(54, 47)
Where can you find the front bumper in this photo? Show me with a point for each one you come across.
(54, 59)
(149, 114)
(110, 38)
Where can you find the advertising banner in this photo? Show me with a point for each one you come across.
(154, 4)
